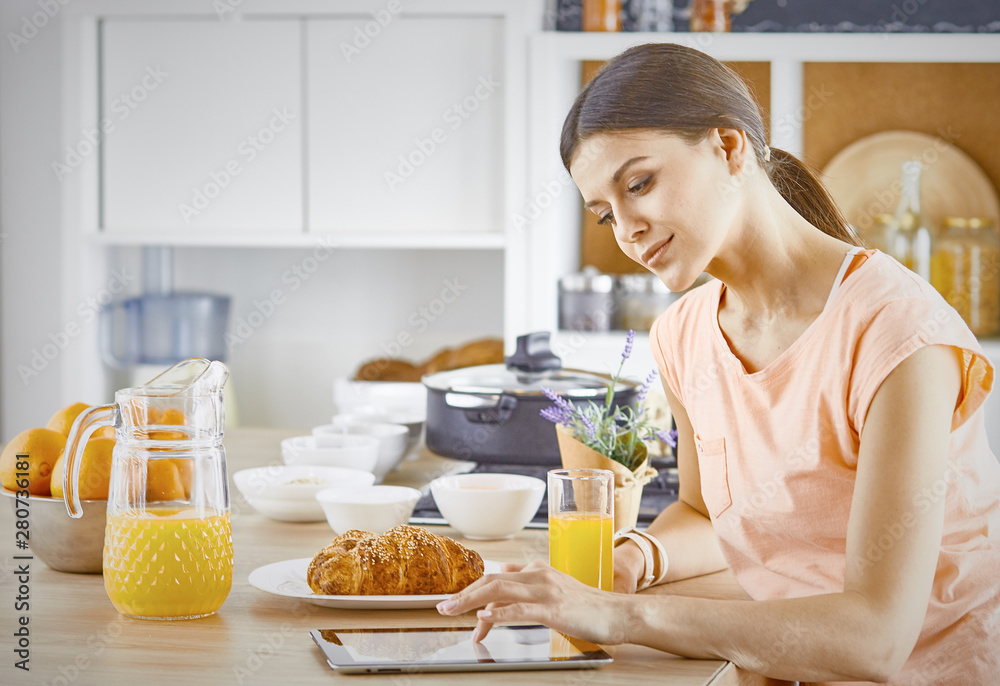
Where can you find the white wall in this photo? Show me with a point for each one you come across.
(30, 283)
(355, 306)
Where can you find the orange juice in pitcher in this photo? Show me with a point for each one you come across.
(168, 563)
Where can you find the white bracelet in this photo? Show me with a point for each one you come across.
(647, 543)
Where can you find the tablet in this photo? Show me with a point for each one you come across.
(450, 649)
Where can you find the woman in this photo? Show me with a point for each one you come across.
(832, 451)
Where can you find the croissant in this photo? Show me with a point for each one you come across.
(405, 560)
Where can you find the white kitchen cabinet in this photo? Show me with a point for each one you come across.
(202, 125)
(406, 124)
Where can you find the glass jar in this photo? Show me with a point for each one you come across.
(641, 298)
(586, 301)
(950, 264)
(966, 271)
(984, 277)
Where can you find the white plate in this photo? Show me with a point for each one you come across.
(288, 578)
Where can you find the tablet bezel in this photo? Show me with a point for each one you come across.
(340, 659)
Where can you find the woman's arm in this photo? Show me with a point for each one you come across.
(683, 528)
(865, 632)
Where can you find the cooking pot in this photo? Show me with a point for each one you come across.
(491, 414)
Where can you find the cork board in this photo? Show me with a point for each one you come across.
(597, 243)
(956, 102)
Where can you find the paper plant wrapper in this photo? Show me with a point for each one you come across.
(628, 484)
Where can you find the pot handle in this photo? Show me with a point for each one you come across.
(482, 409)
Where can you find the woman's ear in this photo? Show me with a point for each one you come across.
(734, 145)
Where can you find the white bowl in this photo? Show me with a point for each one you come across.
(269, 491)
(488, 506)
(352, 452)
(411, 416)
(372, 508)
(348, 394)
(392, 438)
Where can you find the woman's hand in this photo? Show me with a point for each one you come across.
(629, 567)
(538, 594)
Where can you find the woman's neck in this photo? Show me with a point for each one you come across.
(775, 264)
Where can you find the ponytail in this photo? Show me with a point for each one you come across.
(802, 189)
(679, 90)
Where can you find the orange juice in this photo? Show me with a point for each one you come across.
(580, 545)
(168, 564)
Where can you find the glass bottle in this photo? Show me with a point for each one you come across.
(875, 236)
(984, 277)
(909, 236)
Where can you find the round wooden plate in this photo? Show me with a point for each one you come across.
(865, 178)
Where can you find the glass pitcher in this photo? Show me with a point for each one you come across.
(168, 551)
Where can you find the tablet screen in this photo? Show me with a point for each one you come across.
(452, 649)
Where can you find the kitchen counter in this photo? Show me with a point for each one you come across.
(77, 637)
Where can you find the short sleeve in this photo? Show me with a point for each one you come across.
(659, 335)
(898, 330)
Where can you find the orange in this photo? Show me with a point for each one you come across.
(62, 420)
(172, 416)
(104, 432)
(33, 472)
(95, 470)
(164, 480)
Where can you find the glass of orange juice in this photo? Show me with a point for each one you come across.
(581, 519)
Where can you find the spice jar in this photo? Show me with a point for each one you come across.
(586, 301)
(709, 15)
(602, 15)
(641, 299)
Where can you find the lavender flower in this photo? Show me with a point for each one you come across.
(557, 415)
(668, 437)
(612, 430)
(644, 388)
(629, 339)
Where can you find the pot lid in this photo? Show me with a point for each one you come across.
(497, 378)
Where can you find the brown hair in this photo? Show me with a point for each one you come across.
(679, 90)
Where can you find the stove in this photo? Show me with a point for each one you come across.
(656, 495)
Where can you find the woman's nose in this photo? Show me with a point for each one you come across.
(630, 227)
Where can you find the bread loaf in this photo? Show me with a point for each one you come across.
(405, 560)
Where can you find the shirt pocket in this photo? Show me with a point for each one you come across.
(714, 475)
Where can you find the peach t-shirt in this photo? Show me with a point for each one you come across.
(778, 451)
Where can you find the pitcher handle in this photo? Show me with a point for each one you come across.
(86, 423)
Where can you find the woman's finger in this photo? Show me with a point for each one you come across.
(496, 588)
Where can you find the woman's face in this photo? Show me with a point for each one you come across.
(670, 203)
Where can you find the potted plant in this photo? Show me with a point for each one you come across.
(609, 436)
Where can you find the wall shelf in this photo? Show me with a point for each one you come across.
(334, 240)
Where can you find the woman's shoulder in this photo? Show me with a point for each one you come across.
(883, 281)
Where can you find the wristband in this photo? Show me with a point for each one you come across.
(653, 555)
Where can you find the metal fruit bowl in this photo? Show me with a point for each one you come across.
(63, 543)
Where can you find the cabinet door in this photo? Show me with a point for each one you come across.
(406, 124)
(202, 125)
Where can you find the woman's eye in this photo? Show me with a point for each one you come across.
(639, 186)
(606, 220)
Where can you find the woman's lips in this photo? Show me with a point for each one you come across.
(652, 256)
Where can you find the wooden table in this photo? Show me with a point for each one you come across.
(77, 637)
